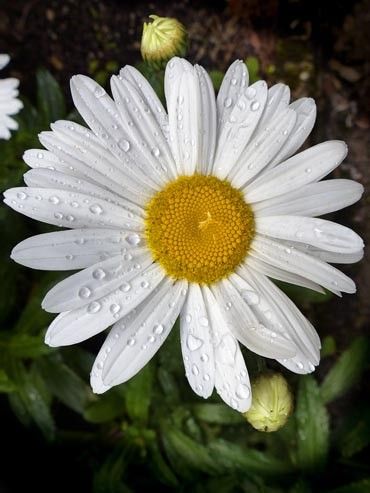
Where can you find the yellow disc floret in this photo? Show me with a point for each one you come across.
(199, 228)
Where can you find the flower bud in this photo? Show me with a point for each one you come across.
(272, 402)
(162, 39)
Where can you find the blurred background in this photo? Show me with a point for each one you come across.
(153, 432)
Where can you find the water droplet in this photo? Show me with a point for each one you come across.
(188, 318)
(124, 145)
(125, 287)
(299, 365)
(184, 291)
(84, 292)
(144, 284)
(228, 102)
(40, 155)
(195, 370)
(241, 104)
(311, 366)
(99, 274)
(22, 196)
(100, 365)
(70, 218)
(193, 342)
(131, 341)
(127, 256)
(158, 329)
(233, 82)
(206, 377)
(69, 257)
(255, 105)
(243, 391)
(114, 308)
(99, 92)
(94, 307)
(250, 92)
(250, 297)
(234, 404)
(204, 357)
(203, 321)
(96, 209)
(156, 152)
(58, 215)
(151, 339)
(133, 239)
(308, 170)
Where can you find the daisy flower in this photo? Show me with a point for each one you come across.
(187, 213)
(9, 104)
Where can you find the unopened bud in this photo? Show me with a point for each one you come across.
(162, 39)
(272, 402)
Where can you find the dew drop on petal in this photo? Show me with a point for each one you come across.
(242, 391)
(94, 307)
(22, 196)
(195, 370)
(255, 105)
(133, 239)
(99, 92)
(131, 341)
(124, 145)
(114, 308)
(96, 209)
(99, 274)
(250, 297)
(125, 287)
(84, 292)
(228, 102)
(193, 343)
(158, 329)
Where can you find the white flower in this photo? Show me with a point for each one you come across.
(187, 214)
(9, 104)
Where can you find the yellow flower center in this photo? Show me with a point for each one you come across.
(199, 228)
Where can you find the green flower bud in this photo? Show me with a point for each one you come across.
(162, 39)
(272, 402)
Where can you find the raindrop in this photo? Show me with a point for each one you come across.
(227, 102)
(124, 145)
(158, 329)
(99, 274)
(250, 92)
(96, 209)
(241, 104)
(125, 287)
(114, 308)
(243, 391)
(188, 318)
(99, 92)
(127, 256)
(203, 321)
(311, 366)
(204, 357)
(156, 152)
(133, 239)
(100, 365)
(58, 215)
(195, 370)
(299, 365)
(94, 307)
(250, 297)
(151, 339)
(144, 284)
(233, 82)
(22, 196)
(193, 342)
(255, 105)
(70, 218)
(84, 292)
(206, 377)
(40, 155)
(308, 170)
(131, 341)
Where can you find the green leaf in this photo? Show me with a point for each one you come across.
(347, 370)
(253, 68)
(329, 346)
(108, 407)
(355, 433)
(185, 454)
(358, 487)
(312, 425)
(50, 99)
(233, 458)
(6, 385)
(216, 78)
(32, 400)
(137, 393)
(218, 414)
(109, 478)
(64, 383)
(159, 465)
(26, 346)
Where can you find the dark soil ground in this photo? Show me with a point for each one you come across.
(319, 50)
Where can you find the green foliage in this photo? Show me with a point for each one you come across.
(253, 68)
(312, 426)
(347, 371)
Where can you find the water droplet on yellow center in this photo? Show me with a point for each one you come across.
(199, 228)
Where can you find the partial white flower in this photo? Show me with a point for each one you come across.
(187, 213)
(9, 104)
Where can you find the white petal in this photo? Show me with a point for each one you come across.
(231, 375)
(184, 105)
(303, 168)
(4, 60)
(305, 109)
(78, 325)
(101, 114)
(148, 95)
(145, 134)
(313, 199)
(320, 233)
(84, 155)
(236, 132)
(97, 281)
(282, 275)
(135, 339)
(71, 209)
(207, 123)
(234, 84)
(278, 98)
(47, 178)
(73, 249)
(246, 327)
(39, 158)
(262, 148)
(338, 258)
(196, 343)
(290, 259)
